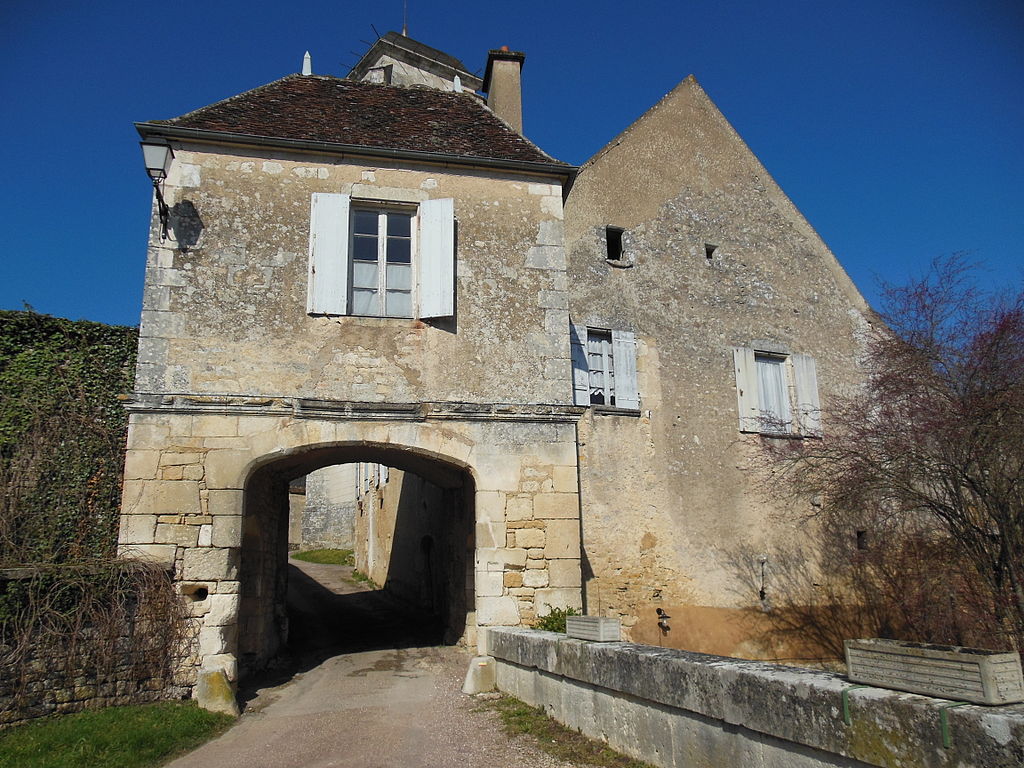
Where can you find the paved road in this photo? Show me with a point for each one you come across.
(371, 707)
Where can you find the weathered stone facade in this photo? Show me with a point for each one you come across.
(241, 389)
(323, 516)
(714, 257)
(676, 255)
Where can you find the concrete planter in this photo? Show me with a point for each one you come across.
(594, 628)
(944, 671)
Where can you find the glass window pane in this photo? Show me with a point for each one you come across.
(399, 277)
(365, 302)
(364, 222)
(364, 275)
(364, 248)
(599, 359)
(399, 250)
(399, 304)
(399, 225)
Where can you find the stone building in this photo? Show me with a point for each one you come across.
(382, 270)
(727, 322)
(323, 509)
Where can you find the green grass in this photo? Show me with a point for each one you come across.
(556, 739)
(115, 737)
(359, 577)
(326, 556)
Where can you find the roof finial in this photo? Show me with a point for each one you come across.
(405, 18)
(307, 64)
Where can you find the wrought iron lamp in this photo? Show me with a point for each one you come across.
(158, 157)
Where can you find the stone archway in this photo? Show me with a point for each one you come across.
(445, 516)
(190, 460)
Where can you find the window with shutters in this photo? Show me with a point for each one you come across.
(777, 393)
(381, 260)
(604, 367)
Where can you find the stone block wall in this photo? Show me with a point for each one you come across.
(206, 493)
(225, 310)
(678, 709)
(714, 256)
(328, 518)
(57, 671)
(45, 686)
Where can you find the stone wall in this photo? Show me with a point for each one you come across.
(677, 709)
(328, 516)
(714, 257)
(416, 540)
(66, 663)
(206, 493)
(225, 309)
(46, 685)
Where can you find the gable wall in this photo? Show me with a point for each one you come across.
(408, 74)
(666, 503)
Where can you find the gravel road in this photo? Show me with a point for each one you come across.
(365, 706)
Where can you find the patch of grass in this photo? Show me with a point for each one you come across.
(556, 739)
(326, 556)
(116, 737)
(361, 578)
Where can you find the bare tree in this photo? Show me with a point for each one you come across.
(927, 461)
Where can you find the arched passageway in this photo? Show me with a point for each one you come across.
(414, 535)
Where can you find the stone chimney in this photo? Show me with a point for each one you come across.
(503, 87)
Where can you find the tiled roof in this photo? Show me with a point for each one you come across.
(329, 109)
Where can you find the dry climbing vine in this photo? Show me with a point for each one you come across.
(73, 618)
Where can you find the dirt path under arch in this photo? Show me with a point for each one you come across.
(366, 708)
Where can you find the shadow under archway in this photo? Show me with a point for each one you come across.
(289, 619)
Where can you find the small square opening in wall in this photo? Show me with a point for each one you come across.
(613, 236)
(862, 540)
(709, 251)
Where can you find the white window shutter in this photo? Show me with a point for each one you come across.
(805, 373)
(627, 390)
(580, 366)
(437, 258)
(328, 254)
(746, 389)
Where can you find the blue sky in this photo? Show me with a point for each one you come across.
(896, 127)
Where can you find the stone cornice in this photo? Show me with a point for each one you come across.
(347, 410)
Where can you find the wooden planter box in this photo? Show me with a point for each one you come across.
(594, 628)
(944, 671)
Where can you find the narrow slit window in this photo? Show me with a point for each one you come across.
(613, 236)
(709, 251)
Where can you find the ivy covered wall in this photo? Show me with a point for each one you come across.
(62, 436)
(78, 627)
